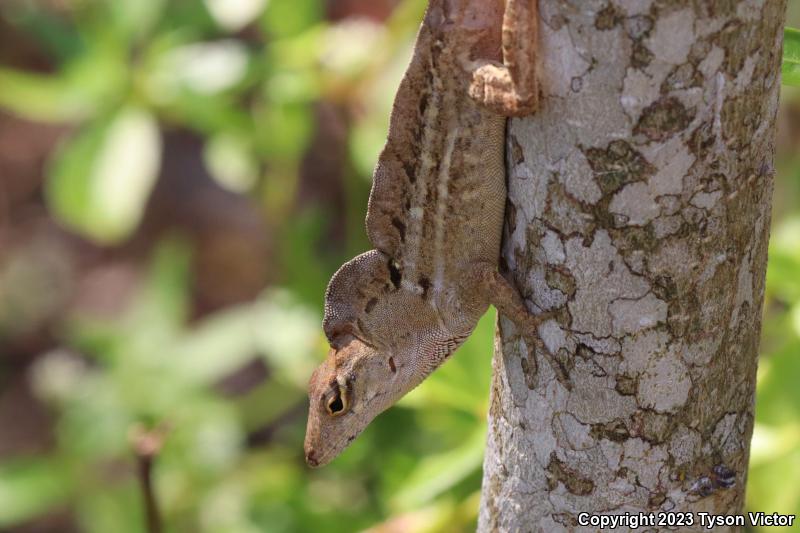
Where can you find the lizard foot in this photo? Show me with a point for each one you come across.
(511, 88)
(505, 297)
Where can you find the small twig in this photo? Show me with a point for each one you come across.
(147, 444)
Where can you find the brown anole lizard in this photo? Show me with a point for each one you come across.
(435, 217)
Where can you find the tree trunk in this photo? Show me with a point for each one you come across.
(639, 206)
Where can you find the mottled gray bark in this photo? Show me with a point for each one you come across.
(639, 206)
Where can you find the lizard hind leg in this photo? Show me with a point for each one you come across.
(511, 88)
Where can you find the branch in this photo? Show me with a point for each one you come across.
(147, 444)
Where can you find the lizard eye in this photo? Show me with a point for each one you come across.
(337, 400)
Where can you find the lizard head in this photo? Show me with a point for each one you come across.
(354, 384)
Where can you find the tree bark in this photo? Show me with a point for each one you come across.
(639, 207)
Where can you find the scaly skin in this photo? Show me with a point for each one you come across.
(435, 216)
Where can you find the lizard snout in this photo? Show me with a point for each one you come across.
(311, 459)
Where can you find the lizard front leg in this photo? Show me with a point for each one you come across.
(498, 291)
(511, 89)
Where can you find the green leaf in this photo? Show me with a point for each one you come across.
(439, 473)
(233, 16)
(43, 98)
(136, 19)
(97, 79)
(776, 459)
(288, 334)
(217, 346)
(161, 307)
(282, 19)
(778, 397)
(202, 68)
(100, 180)
(231, 161)
(790, 70)
(29, 487)
(784, 261)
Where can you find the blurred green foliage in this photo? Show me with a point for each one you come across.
(790, 70)
(245, 77)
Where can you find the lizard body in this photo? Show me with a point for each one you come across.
(435, 216)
